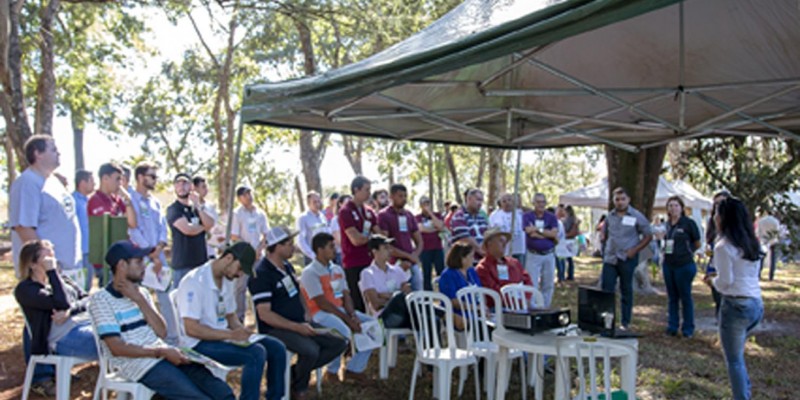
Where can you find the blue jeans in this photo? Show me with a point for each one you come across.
(738, 316)
(416, 277)
(624, 270)
(252, 358)
(570, 268)
(431, 259)
(358, 363)
(678, 281)
(188, 381)
(79, 342)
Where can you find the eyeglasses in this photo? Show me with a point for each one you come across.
(154, 176)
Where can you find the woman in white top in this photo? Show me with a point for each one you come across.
(736, 259)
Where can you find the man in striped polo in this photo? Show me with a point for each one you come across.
(132, 334)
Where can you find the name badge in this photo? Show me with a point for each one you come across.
(367, 227)
(194, 221)
(288, 283)
(669, 246)
(144, 208)
(502, 272)
(252, 225)
(628, 220)
(391, 285)
(336, 286)
(402, 223)
(428, 223)
(539, 224)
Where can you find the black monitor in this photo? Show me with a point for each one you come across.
(596, 310)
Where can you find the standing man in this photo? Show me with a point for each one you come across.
(541, 227)
(132, 332)
(189, 222)
(126, 179)
(281, 312)
(626, 233)
(250, 225)
(469, 223)
(215, 237)
(311, 223)
(399, 224)
(207, 308)
(357, 222)
(84, 186)
(40, 207)
(768, 234)
(381, 199)
(151, 233)
(508, 214)
(330, 210)
(328, 298)
(112, 199)
(430, 226)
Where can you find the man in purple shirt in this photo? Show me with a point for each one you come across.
(541, 228)
(398, 223)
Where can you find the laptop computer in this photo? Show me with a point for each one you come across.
(597, 313)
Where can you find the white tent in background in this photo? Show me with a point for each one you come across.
(596, 196)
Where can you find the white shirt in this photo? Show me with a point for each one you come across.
(502, 219)
(211, 242)
(250, 225)
(199, 298)
(310, 224)
(767, 228)
(735, 275)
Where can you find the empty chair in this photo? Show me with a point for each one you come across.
(430, 349)
(519, 297)
(587, 351)
(477, 321)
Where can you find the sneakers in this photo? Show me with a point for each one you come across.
(45, 388)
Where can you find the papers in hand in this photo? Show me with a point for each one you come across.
(256, 337)
(371, 336)
(158, 282)
(198, 358)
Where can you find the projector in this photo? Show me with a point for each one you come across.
(536, 320)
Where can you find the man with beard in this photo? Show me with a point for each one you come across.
(131, 333)
(207, 307)
(399, 224)
(151, 232)
(310, 224)
(469, 223)
(188, 222)
(357, 222)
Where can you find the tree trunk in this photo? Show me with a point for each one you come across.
(223, 115)
(496, 172)
(11, 169)
(299, 191)
(12, 82)
(481, 168)
(46, 89)
(636, 172)
(353, 152)
(77, 139)
(451, 166)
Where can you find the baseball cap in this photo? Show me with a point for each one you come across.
(182, 177)
(278, 234)
(125, 250)
(243, 252)
(377, 240)
(242, 190)
(424, 199)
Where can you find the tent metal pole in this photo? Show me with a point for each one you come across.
(393, 114)
(516, 197)
(579, 119)
(751, 104)
(572, 92)
(710, 100)
(469, 121)
(378, 129)
(682, 70)
(232, 193)
(607, 96)
(726, 86)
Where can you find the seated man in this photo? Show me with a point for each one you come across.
(385, 286)
(281, 312)
(206, 303)
(329, 303)
(132, 332)
(496, 269)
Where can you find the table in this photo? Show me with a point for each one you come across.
(544, 344)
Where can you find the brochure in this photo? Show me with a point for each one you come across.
(158, 282)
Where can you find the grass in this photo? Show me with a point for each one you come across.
(669, 368)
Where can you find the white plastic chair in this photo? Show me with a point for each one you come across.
(430, 350)
(220, 373)
(476, 316)
(589, 350)
(387, 355)
(109, 380)
(515, 297)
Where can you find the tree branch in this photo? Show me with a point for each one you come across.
(203, 40)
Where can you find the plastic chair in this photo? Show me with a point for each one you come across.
(515, 297)
(387, 355)
(477, 318)
(590, 349)
(109, 380)
(173, 297)
(430, 350)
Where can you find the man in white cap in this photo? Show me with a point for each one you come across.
(281, 312)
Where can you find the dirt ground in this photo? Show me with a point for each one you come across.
(669, 368)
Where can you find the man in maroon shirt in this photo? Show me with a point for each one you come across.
(496, 269)
(357, 222)
(430, 226)
(398, 223)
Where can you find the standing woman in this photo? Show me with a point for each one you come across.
(711, 238)
(736, 258)
(681, 240)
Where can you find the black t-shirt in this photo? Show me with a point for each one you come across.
(281, 291)
(683, 235)
(187, 251)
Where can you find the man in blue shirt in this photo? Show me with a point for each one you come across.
(84, 186)
(541, 228)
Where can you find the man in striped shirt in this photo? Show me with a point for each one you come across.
(469, 223)
(132, 334)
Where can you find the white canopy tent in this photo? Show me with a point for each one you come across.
(596, 196)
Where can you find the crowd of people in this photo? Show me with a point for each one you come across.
(362, 254)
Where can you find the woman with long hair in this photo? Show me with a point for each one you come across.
(711, 237)
(737, 257)
(458, 274)
(681, 240)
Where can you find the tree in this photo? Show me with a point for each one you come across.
(638, 173)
